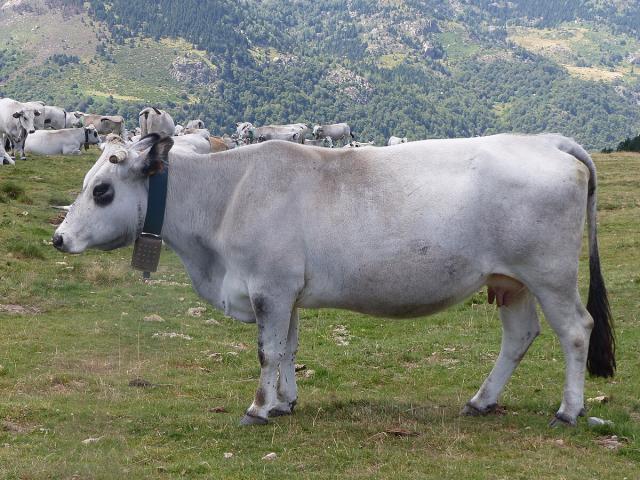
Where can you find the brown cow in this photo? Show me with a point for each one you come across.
(104, 124)
(218, 144)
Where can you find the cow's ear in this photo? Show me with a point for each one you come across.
(158, 156)
(18, 114)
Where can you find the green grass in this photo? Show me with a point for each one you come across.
(67, 359)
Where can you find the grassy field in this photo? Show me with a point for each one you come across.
(73, 335)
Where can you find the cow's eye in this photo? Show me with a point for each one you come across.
(37, 114)
(103, 194)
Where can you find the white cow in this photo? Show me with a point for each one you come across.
(396, 232)
(321, 142)
(393, 140)
(192, 142)
(291, 133)
(37, 106)
(195, 124)
(16, 122)
(5, 158)
(179, 129)
(337, 132)
(61, 142)
(358, 144)
(58, 118)
(153, 120)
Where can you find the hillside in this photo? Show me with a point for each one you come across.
(420, 68)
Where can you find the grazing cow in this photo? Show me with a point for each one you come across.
(396, 140)
(61, 142)
(58, 118)
(153, 120)
(39, 120)
(396, 232)
(16, 122)
(337, 132)
(218, 144)
(195, 124)
(104, 124)
(321, 142)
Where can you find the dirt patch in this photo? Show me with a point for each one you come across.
(18, 309)
(57, 219)
(15, 428)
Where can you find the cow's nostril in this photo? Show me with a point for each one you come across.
(57, 240)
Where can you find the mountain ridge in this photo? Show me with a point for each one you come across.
(424, 69)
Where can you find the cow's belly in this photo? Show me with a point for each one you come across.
(399, 287)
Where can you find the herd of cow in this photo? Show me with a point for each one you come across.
(33, 127)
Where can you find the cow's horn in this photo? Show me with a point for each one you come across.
(118, 157)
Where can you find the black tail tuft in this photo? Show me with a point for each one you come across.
(601, 361)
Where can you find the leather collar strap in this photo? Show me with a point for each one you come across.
(156, 202)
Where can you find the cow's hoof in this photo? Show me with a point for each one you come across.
(282, 409)
(471, 410)
(562, 420)
(277, 412)
(252, 420)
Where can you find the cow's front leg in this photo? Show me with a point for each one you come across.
(287, 388)
(273, 316)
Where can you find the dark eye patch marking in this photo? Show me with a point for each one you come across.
(103, 194)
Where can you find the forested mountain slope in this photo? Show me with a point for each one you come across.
(420, 68)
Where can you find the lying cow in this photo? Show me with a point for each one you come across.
(67, 141)
(154, 120)
(250, 134)
(400, 232)
(393, 140)
(196, 124)
(179, 129)
(338, 132)
(16, 122)
(359, 144)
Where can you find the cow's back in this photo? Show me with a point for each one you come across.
(416, 217)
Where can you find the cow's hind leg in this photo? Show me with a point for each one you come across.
(572, 323)
(273, 316)
(520, 327)
(287, 388)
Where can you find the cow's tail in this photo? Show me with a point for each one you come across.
(601, 359)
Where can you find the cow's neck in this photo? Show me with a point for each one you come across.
(200, 188)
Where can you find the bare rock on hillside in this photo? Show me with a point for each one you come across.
(193, 70)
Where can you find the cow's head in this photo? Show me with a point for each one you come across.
(109, 211)
(243, 129)
(318, 131)
(91, 136)
(75, 119)
(25, 118)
